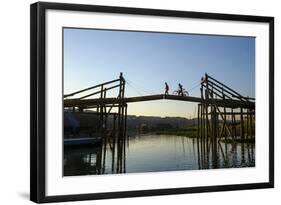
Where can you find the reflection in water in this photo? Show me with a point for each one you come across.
(150, 152)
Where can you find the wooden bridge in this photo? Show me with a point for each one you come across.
(222, 112)
(214, 97)
(86, 103)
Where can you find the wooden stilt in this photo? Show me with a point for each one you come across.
(198, 135)
(241, 124)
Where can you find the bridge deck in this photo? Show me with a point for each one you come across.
(109, 101)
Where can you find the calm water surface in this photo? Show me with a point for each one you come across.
(150, 152)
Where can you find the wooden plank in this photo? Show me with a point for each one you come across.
(143, 98)
(99, 101)
(183, 98)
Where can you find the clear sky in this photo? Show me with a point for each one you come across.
(148, 59)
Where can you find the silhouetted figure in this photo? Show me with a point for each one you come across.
(180, 90)
(166, 88)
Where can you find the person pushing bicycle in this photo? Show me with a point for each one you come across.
(180, 89)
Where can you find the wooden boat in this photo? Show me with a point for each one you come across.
(81, 141)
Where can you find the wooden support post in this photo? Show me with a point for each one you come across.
(126, 114)
(202, 128)
(105, 115)
(123, 142)
(241, 124)
(215, 128)
(204, 133)
(198, 120)
(215, 124)
(201, 113)
(251, 125)
(114, 142)
(235, 126)
(198, 135)
(232, 124)
(225, 123)
(201, 138)
(101, 114)
(98, 160)
(206, 108)
(119, 131)
(247, 124)
(104, 129)
(124, 139)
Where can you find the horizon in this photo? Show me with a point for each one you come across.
(132, 115)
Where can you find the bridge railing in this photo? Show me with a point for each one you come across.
(219, 89)
(99, 89)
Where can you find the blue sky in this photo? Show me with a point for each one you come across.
(148, 59)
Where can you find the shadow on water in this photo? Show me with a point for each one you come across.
(226, 155)
(151, 152)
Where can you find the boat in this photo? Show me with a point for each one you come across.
(86, 141)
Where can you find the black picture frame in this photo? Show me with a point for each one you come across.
(38, 103)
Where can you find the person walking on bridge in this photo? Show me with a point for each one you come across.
(180, 90)
(166, 88)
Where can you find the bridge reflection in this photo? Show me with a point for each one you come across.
(159, 153)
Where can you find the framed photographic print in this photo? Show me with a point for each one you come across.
(129, 102)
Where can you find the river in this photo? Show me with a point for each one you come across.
(154, 153)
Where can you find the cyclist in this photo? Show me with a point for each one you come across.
(180, 89)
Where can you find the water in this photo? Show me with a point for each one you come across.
(154, 153)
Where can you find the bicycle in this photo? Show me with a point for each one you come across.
(178, 92)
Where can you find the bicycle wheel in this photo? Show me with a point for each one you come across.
(185, 93)
(175, 92)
